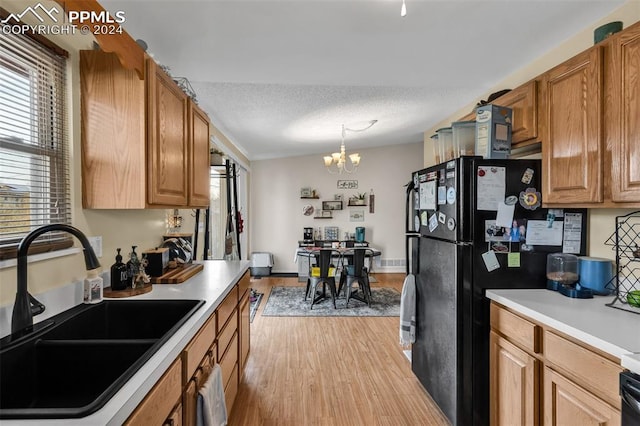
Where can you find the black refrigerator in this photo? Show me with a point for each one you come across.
(475, 224)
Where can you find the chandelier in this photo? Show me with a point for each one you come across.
(339, 159)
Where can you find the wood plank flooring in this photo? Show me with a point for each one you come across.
(329, 370)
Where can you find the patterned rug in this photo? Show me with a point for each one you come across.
(289, 302)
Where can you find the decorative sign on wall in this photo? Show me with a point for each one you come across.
(347, 184)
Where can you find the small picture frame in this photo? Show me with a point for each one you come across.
(326, 213)
(347, 184)
(332, 205)
(331, 233)
(337, 197)
(356, 216)
(306, 192)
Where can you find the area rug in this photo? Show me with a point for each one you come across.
(289, 302)
(256, 298)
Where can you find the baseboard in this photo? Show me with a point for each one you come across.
(278, 274)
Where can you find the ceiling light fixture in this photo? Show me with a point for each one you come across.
(339, 159)
(403, 9)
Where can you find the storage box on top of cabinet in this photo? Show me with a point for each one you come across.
(145, 144)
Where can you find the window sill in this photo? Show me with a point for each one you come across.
(42, 256)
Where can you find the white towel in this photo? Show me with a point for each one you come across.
(408, 311)
(211, 406)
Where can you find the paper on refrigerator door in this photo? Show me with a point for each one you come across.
(491, 187)
(539, 233)
(572, 233)
(428, 195)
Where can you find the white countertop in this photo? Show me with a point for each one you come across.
(211, 285)
(611, 330)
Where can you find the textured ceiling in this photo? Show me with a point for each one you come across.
(279, 78)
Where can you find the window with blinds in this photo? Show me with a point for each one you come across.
(34, 160)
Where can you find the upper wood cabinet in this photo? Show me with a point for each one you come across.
(590, 123)
(622, 114)
(523, 103)
(167, 159)
(144, 143)
(572, 149)
(199, 185)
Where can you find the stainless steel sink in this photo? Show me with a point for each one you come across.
(74, 367)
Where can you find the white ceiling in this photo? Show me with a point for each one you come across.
(280, 77)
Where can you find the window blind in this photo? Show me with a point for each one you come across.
(34, 157)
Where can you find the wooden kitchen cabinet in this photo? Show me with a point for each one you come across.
(199, 178)
(538, 375)
(514, 384)
(173, 400)
(566, 403)
(167, 141)
(622, 114)
(144, 143)
(590, 123)
(160, 403)
(523, 101)
(572, 149)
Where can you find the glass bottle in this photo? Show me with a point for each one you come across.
(133, 267)
(119, 274)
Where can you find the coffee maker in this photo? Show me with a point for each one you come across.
(308, 234)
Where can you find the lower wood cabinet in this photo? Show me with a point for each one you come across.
(548, 377)
(566, 403)
(223, 339)
(159, 404)
(515, 383)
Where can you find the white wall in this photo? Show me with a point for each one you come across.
(276, 216)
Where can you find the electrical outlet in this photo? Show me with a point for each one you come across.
(96, 244)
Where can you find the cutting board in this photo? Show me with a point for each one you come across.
(179, 274)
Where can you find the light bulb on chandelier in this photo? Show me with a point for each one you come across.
(339, 159)
(403, 9)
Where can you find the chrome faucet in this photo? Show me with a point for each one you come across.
(26, 306)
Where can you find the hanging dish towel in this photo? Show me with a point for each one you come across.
(211, 406)
(408, 311)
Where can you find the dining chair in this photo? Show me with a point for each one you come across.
(357, 272)
(323, 273)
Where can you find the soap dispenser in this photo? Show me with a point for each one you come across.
(119, 274)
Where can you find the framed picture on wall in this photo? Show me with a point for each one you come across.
(332, 205)
(356, 216)
(347, 184)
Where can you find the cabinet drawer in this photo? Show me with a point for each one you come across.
(244, 284)
(225, 309)
(198, 347)
(225, 336)
(230, 392)
(175, 418)
(159, 403)
(517, 329)
(229, 359)
(588, 369)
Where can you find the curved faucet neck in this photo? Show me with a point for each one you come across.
(22, 317)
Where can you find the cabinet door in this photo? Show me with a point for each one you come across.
(167, 139)
(565, 403)
(199, 182)
(245, 325)
(572, 149)
(189, 402)
(624, 116)
(514, 384)
(175, 418)
(523, 101)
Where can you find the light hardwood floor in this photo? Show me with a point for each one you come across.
(329, 370)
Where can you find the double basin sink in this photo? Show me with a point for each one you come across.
(73, 366)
